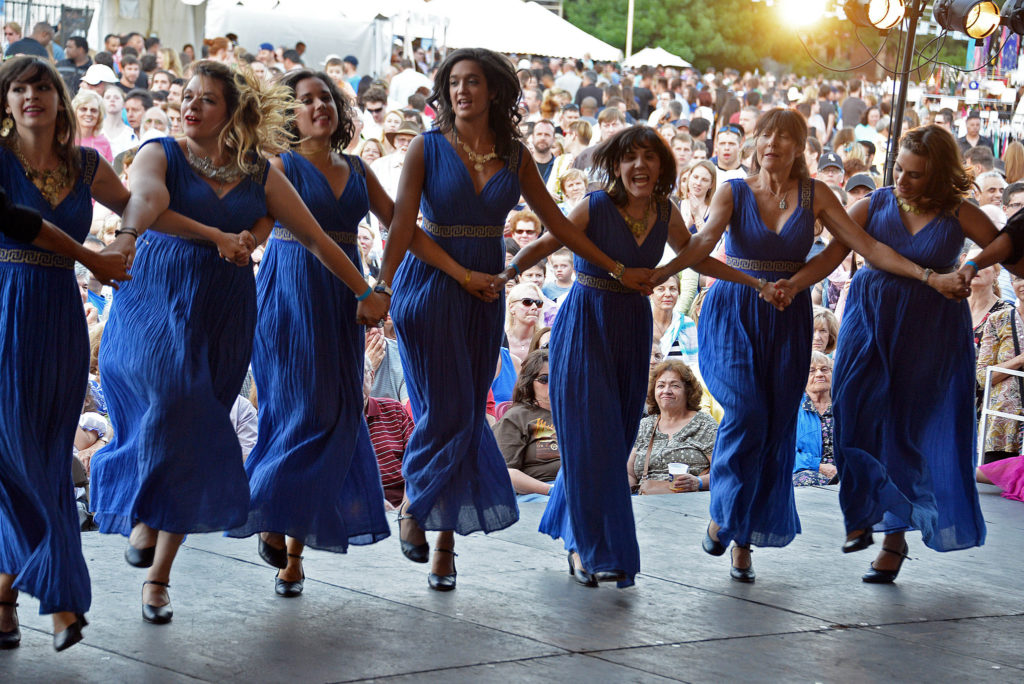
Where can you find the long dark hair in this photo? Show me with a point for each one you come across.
(610, 152)
(346, 129)
(503, 117)
(33, 70)
(531, 368)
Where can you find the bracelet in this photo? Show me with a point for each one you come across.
(620, 270)
(365, 294)
(927, 274)
(761, 282)
(127, 231)
(971, 263)
(518, 272)
(700, 484)
(469, 276)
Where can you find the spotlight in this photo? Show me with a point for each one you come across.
(1013, 15)
(976, 18)
(880, 14)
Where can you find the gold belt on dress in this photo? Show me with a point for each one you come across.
(32, 257)
(463, 231)
(606, 284)
(771, 266)
(341, 237)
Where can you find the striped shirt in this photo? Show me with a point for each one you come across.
(390, 427)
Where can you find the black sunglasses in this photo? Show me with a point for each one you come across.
(542, 379)
(539, 303)
(375, 111)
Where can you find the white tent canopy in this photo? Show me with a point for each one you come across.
(655, 56)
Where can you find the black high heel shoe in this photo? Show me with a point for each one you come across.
(157, 615)
(745, 575)
(71, 635)
(581, 575)
(11, 638)
(443, 582)
(286, 588)
(711, 546)
(860, 542)
(271, 555)
(139, 558)
(876, 576)
(417, 553)
(610, 576)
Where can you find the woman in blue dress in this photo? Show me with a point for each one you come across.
(44, 347)
(903, 395)
(313, 476)
(176, 347)
(755, 357)
(464, 176)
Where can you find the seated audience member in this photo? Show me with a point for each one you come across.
(382, 353)
(522, 318)
(673, 330)
(540, 339)
(1002, 340)
(815, 462)
(525, 227)
(526, 433)
(504, 383)
(826, 331)
(561, 265)
(390, 428)
(1007, 474)
(674, 431)
(572, 188)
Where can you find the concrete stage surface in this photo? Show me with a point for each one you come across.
(517, 616)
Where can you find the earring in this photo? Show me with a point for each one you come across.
(6, 127)
(611, 188)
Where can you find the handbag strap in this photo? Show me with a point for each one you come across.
(650, 446)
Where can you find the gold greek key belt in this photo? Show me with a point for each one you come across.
(32, 257)
(463, 231)
(341, 237)
(606, 284)
(772, 266)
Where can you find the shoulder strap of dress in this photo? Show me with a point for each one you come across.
(355, 164)
(265, 173)
(516, 158)
(664, 210)
(90, 163)
(807, 194)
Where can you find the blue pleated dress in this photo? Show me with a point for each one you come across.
(600, 361)
(313, 474)
(175, 351)
(44, 368)
(455, 475)
(754, 360)
(903, 393)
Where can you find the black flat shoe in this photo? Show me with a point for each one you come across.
(139, 558)
(286, 588)
(859, 543)
(417, 553)
(11, 638)
(157, 615)
(876, 576)
(745, 575)
(581, 575)
(272, 556)
(71, 635)
(443, 582)
(715, 548)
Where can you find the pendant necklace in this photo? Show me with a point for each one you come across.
(782, 199)
(223, 175)
(637, 226)
(478, 160)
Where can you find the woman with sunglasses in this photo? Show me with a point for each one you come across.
(524, 313)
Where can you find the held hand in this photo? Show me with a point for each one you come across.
(639, 279)
(372, 310)
(828, 470)
(784, 293)
(248, 240)
(685, 483)
(499, 281)
(767, 293)
(481, 286)
(234, 248)
(124, 245)
(950, 285)
(108, 267)
(968, 273)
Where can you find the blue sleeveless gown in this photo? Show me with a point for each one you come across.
(903, 393)
(754, 359)
(313, 474)
(600, 361)
(175, 352)
(44, 368)
(455, 475)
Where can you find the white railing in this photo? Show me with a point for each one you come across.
(986, 411)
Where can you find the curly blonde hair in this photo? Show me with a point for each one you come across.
(260, 114)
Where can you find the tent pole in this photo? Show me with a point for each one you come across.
(629, 29)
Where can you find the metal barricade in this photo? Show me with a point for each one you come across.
(986, 411)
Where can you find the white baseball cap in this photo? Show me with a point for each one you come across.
(99, 73)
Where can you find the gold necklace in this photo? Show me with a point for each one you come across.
(321, 150)
(637, 226)
(478, 160)
(907, 206)
(50, 182)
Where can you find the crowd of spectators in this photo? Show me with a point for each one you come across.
(129, 90)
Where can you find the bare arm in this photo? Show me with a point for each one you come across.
(108, 267)
(382, 206)
(694, 250)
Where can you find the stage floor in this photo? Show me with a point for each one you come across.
(517, 616)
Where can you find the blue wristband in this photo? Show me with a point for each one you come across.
(972, 265)
(515, 268)
(366, 294)
(700, 484)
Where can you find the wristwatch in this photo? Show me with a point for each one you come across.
(382, 288)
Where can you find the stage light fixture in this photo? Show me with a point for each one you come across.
(880, 14)
(976, 18)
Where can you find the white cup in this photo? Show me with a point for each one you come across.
(675, 469)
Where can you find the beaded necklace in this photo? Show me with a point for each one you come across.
(51, 183)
